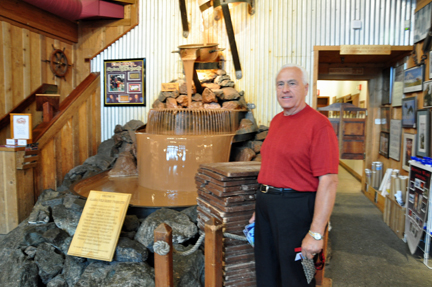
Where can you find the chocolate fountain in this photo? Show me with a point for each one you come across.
(177, 141)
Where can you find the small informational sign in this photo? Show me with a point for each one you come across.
(365, 49)
(100, 224)
(170, 87)
(21, 126)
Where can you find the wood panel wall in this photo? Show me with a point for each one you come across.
(22, 52)
(70, 141)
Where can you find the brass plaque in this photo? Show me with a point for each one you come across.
(100, 224)
(365, 49)
(170, 87)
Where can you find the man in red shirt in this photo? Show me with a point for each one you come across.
(298, 180)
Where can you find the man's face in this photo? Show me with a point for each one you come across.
(291, 92)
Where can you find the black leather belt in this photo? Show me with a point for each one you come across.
(275, 190)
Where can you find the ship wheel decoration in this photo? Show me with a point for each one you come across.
(58, 63)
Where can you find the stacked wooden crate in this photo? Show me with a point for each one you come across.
(226, 191)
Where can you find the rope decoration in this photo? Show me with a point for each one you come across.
(161, 248)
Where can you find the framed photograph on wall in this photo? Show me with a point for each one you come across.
(423, 132)
(387, 87)
(413, 79)
(385, 119)
(427, 94)
(397, 90)
(384, 144)
(395, 139)
(422, 23)
(430, 63)
(409, 112)
(124, 82)
(408, 149)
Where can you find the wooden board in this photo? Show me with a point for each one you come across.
(100, 225)
(225, 170)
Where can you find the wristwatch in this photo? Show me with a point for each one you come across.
(315, 235)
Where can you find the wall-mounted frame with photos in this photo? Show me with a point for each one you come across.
(395, 139)
(408, 149)
(125, 82)
(385, 119)
(422, 22)
(384, 144)
(413, 79)
(427, 94)
(409, 112)
(423, 132)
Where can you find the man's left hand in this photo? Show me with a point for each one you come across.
(311, 247)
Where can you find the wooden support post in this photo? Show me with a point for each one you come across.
(48, 112)
(164, 263)
(213, 253)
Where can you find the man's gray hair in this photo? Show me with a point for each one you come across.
(305, 77)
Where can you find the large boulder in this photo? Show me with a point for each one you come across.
(124, 166)
(128, 250)
(100, 161)
(105, 148)
(73, 269)
(16, 270)
(66, 218)
(117, 274)
(48, 261)
(182, 228)
(187, 269)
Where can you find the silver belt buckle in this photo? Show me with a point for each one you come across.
(266, 189)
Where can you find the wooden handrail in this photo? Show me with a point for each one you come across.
(40, 133)
(5, 121)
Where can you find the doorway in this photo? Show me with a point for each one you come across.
(353, 92)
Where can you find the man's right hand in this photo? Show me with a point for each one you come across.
(252, 219)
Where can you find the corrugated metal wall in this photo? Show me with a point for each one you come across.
(280, 31)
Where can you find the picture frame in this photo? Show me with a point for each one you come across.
(430, 63)
(397, 89)
(21, 126)
(427, 94)
(385, 119)
(409, 144)
(124, 82)
(387, 87)
(423, 132)
(413, 79)
(409, 112)
(422, 23)
(395, 139)
(384, 144)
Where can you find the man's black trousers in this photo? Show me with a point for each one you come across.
(281, 223)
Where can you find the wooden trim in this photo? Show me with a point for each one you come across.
(350, 170)
(5, 121)
(421, 4)
(27, 16)
(46, 131)
(315, 79)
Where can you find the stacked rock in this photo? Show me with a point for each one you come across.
(218, 92)
(249, 150)
(226, 191)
